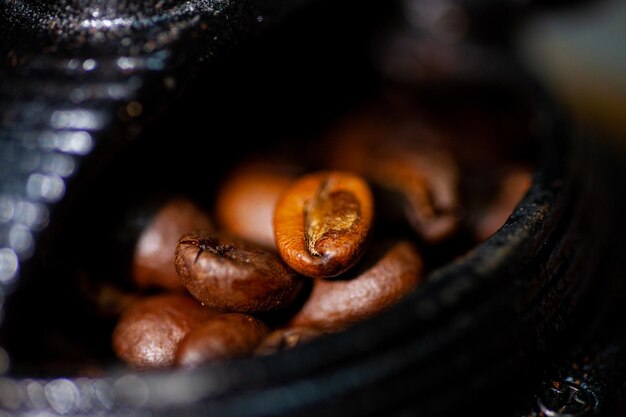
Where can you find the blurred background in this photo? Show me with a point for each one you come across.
(579, 51)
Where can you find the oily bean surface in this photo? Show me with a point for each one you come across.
(334, 305)
(323, 221)
(153, 262)
(227, 336)
(232, 275)
(147, 334)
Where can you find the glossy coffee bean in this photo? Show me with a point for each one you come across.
(232, 275)
(226, 336)
(408, 163)
(147, 334)
(323, 221)
(334, 305)
(153, 261)
(246, 199)
(284, 339)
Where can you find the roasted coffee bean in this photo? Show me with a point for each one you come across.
(426, 181)
(232, 275)
(147, 334)
(283, 339)
(334, 305)
(153, 261)
(323, 221)
(406, 161)
(513, 184)
(226, 336)
(246, 199)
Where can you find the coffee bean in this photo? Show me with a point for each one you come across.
(406, 160)
(226, 336)
(322, 223)
(337, 304)
(246, 199)
(153, 261)
(232, 275)
(147, 334)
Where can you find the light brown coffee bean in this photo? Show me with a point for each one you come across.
(232, 275)
(323, 221)
(334, 305)
(246, 199)
(226, 336)
(283, 339)
(147, 334)
(153, 261)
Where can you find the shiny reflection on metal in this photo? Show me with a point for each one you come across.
(87, 92)
(104, 393)
(86, 394)
(9, 265)
(131, 390)
(35, 394)
(77, 119)
(181, 388)
(89, 64)
(29, 161)
(34, 216)
(10, 398)
(58, 164)
(566, 399)
(21, 241)
(79, 143)
(7, 208)
(49, 188)
(120, 18)
(62, 395)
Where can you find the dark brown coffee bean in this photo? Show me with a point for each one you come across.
(153, 261)
(334, 305)
(323, 221)
(427, 180)
(283, 339)
(147, 334)
(226, 336)
(246, 200)
(408, 164)
(234, 276)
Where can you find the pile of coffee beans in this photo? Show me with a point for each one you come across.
(292, 250)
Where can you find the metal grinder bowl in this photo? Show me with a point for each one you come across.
(477, 335)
